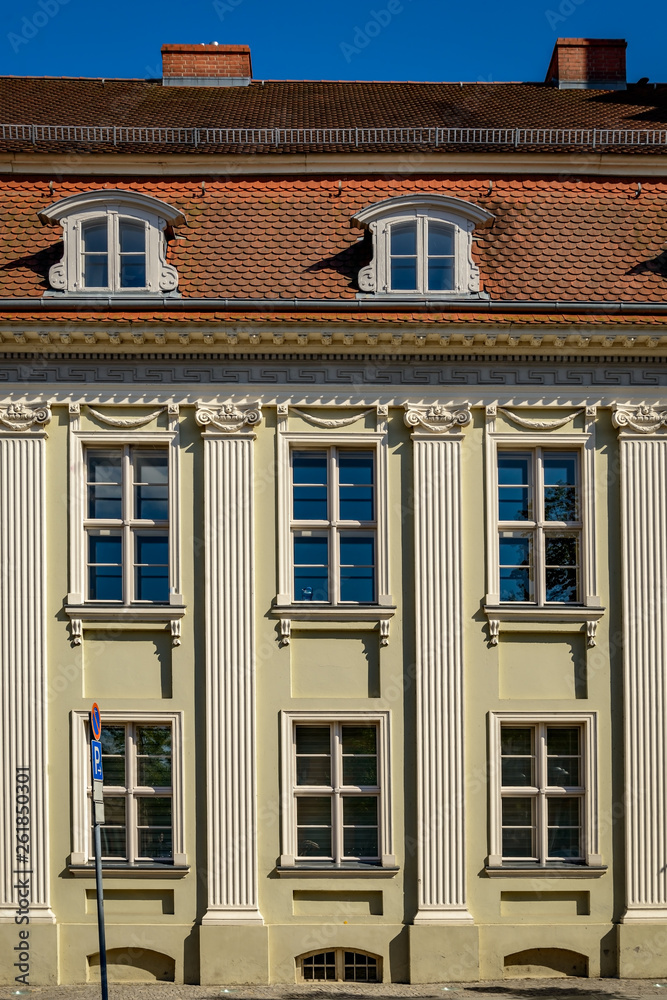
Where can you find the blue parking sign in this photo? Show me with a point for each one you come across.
(96, 752)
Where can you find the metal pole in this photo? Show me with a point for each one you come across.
(100, 912)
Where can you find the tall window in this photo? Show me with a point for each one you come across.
(127, 524)
(337, 791)
(422, 256)
(540, 526)
(137, 765)
(542, 791)
(113, 253)
(334, 526)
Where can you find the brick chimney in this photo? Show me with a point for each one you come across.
(588, 64)
(206, 65)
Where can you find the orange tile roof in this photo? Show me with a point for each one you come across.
(556, 238)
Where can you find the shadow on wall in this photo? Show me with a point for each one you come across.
(133, 965)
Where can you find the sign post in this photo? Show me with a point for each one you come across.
(98, 819)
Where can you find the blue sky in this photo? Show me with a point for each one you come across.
(341, 40)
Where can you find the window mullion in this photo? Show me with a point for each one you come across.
(538, 545)
(334, 517)
(422, 247)
(337, 805)
(542, 830)
(114, 255)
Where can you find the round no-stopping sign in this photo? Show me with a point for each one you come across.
(95, 722)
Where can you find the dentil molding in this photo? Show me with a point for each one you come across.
(228, 418)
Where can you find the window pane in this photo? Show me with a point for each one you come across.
(114, 810)
(113, 739)
(563, 812)
(309, 475)
(562, 556)
(516, 746)
(563, 771)
(355, 475)
(95, 271)
(360, 810)
(404, 239)
(314, 827)
(153, 744)
(311, 568)
(132, 237)
(155, 843)
(113, 842)
(104, 486)
(561, 501)
(152, 567)
(517, 812)
(561, 585)
(113, 755)
(322, 966)
(563, 740)
(564, 844)
(440, 239)
(132, 272)
(154, 810)
(105, 576)
(357, 568)
(313, 762)
(360, 842)
(517, 742)
(404, 274)
(564, 828)
(518, 843)
(359, 755)
(514, 487)
(151, 492)
(517, 771)
(516, 573)
(440, 274)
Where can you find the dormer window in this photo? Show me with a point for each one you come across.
(422, 246)
(114, 243)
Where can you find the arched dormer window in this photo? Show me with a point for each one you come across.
(422, 246)
(114, 243)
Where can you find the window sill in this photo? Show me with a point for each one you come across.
(546, 618)
(320, 617)
(106, 295)
(329, 870)
(424, 297)
(123, 870)
(126, 614)
(553, 870)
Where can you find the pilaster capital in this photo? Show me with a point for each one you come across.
(19, 417)
(640, 419)
(228, 418)
(436, 419)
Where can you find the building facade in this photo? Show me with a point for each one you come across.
(333, 466)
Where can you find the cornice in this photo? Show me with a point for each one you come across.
(309, 164)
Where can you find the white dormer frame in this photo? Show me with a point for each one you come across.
(112, 205)
(463, 216)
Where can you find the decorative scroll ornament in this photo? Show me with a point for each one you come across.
(18, 417)
(228, 418)
(330, 424)
(642, 419)
(436, 419)
(537, 425)
(104, 418)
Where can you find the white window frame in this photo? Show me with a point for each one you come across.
(378, 219)
(81, 783)
(289, 721)
(288, 441)
(112, 206)
(582, 442)
(339, 965)
(78, 607)
(587, 722)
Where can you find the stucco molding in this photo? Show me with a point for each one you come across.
(19, 418)
(228, 418)
(106, 418)
(640, 419)
(537, 424)
(436, 419)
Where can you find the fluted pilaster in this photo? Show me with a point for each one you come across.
(230, 671)
(439, 652)
(23, 663)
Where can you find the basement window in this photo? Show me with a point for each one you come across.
(340, 966)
